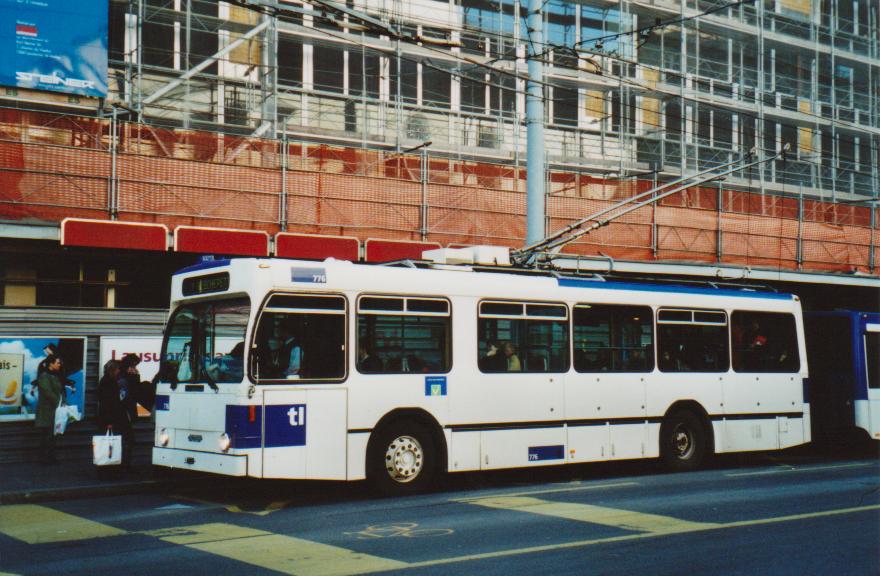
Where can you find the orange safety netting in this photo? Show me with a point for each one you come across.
(54, 166)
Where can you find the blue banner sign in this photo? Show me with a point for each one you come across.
(55, 45)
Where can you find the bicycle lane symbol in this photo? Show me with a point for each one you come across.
(398, 530)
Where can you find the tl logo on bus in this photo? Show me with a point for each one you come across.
(285, 425)
(297, 415)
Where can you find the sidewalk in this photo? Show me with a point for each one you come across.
(78, 478)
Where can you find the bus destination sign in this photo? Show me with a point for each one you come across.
(206, 284)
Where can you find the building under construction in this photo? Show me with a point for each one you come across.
(250, 127)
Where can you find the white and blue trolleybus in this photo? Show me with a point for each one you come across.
(398, 373)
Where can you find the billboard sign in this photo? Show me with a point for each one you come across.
(20, 358)
(55, 45)
(147, 349)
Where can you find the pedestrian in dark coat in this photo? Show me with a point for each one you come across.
(51, 392)
(128, 383)
(111, 413)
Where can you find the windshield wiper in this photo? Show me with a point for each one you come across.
(208, 378)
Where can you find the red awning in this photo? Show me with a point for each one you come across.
(391, 250)
(221, 241)
(316, 246)
(112, 234)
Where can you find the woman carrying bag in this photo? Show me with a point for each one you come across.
(51, 394)
(113, 416)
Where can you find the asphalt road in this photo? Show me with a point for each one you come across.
(763, 515)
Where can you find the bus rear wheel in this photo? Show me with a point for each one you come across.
(683, 441)
(402, 459)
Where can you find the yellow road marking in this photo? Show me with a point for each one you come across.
(631, 537)
(235, 509)
(38, 525)
(804, 469)
(551, 491)
(624, 519)
(283, 554)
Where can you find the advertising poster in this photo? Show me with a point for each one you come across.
(11, 380)
(20, 359)
(55, 45)
(147, 349)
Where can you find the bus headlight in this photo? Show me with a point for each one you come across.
(224, 442)
(163, 437)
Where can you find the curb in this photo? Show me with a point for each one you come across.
(85, 491)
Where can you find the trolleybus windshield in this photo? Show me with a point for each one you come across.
(204, 342)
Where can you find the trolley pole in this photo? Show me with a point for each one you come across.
(535, 125)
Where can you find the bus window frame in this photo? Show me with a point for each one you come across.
(259, 317)
(449, 352)
(692, 322)
(650, 368)
(525, 317)
(735, 353)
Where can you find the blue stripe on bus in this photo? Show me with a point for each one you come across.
(244, 430)
(285, 426)
(670, 289)
(806, 383)
(204, 266)
(549, 424)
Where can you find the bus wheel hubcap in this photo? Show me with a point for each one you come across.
(682, 441)
(404, 458)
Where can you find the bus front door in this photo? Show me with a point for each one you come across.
(304, 434)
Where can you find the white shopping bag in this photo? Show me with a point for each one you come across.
(64, 415)
(60, 419)
(107, 449)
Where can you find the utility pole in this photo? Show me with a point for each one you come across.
(535, 125)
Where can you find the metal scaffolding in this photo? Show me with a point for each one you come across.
(641, 88)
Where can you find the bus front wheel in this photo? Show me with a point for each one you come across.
(683, 441)
(402, 459)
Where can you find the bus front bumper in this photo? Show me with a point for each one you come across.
(227, 464)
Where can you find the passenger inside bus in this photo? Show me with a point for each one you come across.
(494, 360)
(280, 355)
(674, 360)
(413, 363)
(367, 361)
(636, 361)
(593, 360)
(513, 363)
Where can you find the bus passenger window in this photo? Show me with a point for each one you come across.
(300, 337)
(764, 342)
(692, 341)
(610, 338)
(399, 335)
(522, 337)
